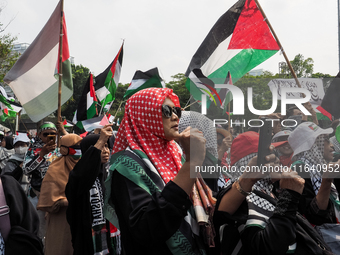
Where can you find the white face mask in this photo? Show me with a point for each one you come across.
(21, 150)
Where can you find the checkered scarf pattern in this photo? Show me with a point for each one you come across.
(202, 123)
(314, 157)
(264, 185)
(142, 129)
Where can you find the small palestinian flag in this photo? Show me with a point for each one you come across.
(107, 82)
(75, 153)
(142, 80)
(67, 124)
(110, 117)
(239, 41)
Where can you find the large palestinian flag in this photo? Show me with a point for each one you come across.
(34, 77)
(107, 82)
(239, 41)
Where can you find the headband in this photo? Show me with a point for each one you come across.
(47, 125)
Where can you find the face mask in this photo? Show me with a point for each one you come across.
(21, 150)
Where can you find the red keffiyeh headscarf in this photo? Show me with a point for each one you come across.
(142, 129)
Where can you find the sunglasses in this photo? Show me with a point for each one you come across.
(168, 110)
(46, 134)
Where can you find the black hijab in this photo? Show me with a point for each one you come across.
(87, 141)
(9, 142)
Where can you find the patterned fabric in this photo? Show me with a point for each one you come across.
(43, 165)
(335, 143)
(142, 129)
(261, 202)
(314, 157)
(264, 185)
(4, 156)
(2, 245)
(202, 123)
(97, 204)
(178, 243)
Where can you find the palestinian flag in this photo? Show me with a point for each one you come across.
(33, 77)
(330, 101)
(107, 82)
(87, 108)
(96, 122)
(8, 107)
(322, 114)
(142, 80)
(110, 117)
(66, 123)
(239, 41)
(5, 112)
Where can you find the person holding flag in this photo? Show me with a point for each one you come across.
(148, 187)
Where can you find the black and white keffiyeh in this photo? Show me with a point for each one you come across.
(264, 185)
(312, 158)
(2, 245)
(202, 123)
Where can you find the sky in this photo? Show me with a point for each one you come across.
(166, 34)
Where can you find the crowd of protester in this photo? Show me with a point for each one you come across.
(138, 191)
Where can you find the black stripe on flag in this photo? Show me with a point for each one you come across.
(222, 29)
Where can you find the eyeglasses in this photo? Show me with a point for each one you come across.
(168, 110)
(46, 134)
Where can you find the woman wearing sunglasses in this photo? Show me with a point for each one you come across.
(147, 191)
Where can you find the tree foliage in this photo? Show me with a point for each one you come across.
(301, 66)
(7, 57)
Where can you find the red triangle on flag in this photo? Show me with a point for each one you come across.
(6, 111)
(252, 31)
(65, 122)
(104, 121)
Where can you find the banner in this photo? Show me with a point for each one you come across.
(313, 85)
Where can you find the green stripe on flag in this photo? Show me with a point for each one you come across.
(91, 111)
(242, 63)
(153, 82)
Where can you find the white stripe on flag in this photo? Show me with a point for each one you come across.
(116, 75)
(136, 84)
(89, 100)
(219, 57)
(102, 93)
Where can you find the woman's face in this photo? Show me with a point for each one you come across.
(105, 154)
(328, 150)
(170, 125)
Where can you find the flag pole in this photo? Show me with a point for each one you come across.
(60, 65)
(278, 42)
(118, 109)
(190, 105)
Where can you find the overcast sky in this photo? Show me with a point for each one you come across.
(166, 34)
